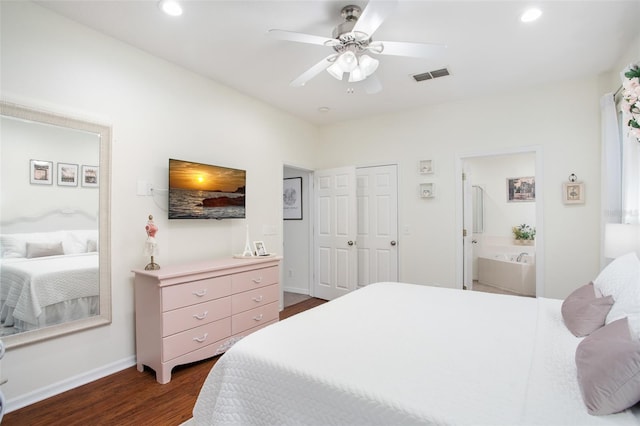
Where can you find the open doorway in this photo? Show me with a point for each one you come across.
(500, 191)
(297, 250)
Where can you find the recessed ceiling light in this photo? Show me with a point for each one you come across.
(531, 15)
(170, 7)
(324, 109)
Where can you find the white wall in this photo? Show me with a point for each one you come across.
(157, 111)
(562, 119)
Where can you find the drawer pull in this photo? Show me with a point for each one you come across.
(201, 339)
(200, 293)
(202, 316)
(258, 299)
(258, 318)
(257, 280)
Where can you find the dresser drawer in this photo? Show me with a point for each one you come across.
(252, 299)
(195, 315)
(253, 279)
(253, 318)
(196, 338)
(177, 296)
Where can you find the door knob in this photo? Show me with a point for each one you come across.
(393, 242)
(350, 243)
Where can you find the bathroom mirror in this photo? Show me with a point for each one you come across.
(478, 209)
(55, 270)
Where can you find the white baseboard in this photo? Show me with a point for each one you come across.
(69, 383)
(299, 290)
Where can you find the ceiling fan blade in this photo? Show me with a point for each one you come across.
(302, 38)
(415, 50)
(372, 16)
(313, 71)
(372, 85)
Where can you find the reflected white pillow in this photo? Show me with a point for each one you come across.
(621, 280)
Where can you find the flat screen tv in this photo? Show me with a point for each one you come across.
(204, 191)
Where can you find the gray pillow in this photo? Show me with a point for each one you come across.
(44, 249)
(608, 363)
(583, 312)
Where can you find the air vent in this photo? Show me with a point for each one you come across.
(431, 74)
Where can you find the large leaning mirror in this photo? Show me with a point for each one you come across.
(55, 269)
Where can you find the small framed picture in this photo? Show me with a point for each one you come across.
(573, 193)
(41, 172)
(260, 249)
(426, 167)
(292, 198)
(67, 174)
(90, 176)
(427, 190)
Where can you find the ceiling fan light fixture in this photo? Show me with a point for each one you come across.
(368, 65)
(336, 71)
(357, 75)
(347, 61)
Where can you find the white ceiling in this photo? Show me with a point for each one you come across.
(489, 49)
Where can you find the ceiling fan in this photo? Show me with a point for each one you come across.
(352, 41)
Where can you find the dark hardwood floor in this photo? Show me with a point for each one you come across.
(129, 397)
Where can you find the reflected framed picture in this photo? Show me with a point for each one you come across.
(67, 174)
(573, 193)
(292, 198)
(521, 189)
(90, 176)
(41, 172)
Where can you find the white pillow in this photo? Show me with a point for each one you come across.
(621, 280)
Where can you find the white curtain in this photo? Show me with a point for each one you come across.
(611, 167)
(630, 177)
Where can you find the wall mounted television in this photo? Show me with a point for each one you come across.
(205, 191)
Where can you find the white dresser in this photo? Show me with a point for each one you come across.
(186, 313)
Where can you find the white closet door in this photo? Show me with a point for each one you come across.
(377, 193)
(335, 233)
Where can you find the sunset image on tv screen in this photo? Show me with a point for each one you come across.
(203, 191)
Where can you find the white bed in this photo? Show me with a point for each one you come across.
(51, 288)
(402, 354)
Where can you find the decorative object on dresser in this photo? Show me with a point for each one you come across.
(151, 246)
(186, 313)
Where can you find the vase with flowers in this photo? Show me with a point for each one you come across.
(631, 101)
(524, 234)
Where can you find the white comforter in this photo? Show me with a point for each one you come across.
(29, 285)
(402, 354)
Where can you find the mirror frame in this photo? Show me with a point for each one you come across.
(104, 223)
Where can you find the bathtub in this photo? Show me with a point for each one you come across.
(506, 273)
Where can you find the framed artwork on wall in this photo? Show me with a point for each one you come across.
(426, 167)
(573, 193)
(41, 172)
(292, 198)
(521, 189)
(90, 176)
(67, 174)
(427, 190)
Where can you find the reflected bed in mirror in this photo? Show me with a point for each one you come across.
(54, 225)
